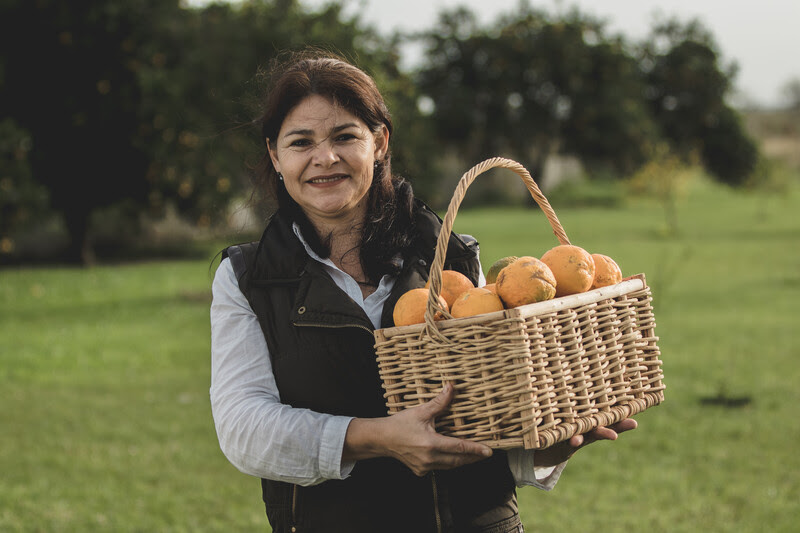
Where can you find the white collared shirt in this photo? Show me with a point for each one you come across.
(265, 438)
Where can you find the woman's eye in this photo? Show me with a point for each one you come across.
(345, 137)
(300, 142)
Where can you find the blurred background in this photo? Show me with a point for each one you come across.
(128, 122)
(665, 133)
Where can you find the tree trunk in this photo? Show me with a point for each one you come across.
(79, 251)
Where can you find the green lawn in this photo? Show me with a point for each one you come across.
(106, 424)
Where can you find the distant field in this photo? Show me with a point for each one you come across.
(106, 424)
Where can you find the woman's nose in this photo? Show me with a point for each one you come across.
(325, 154)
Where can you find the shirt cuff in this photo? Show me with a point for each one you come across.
(523, 467)
(331, 446)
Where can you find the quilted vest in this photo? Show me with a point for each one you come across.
(322, 350)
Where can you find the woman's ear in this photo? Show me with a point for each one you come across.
(381, 142)
(273, 156)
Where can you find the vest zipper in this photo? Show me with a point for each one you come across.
(294, 508)
(436, 514)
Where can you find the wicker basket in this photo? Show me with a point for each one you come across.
(530, 376)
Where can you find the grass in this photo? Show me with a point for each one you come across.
(107, 427)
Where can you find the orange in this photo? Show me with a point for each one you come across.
(525, 281)
(606, 271)
(573, 268)
(476, 301)
(411, 306)
(497, 266)
(453, 284)
(491, 286)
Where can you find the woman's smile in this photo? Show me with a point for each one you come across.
(327, 180)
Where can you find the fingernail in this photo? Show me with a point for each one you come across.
(487, 452)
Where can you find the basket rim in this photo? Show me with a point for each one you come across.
(630, 284)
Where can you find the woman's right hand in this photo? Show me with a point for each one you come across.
(410, 437)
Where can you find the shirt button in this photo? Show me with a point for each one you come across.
(422, 262)
(294, 529)
(301, 310)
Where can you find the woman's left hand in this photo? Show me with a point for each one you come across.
(558, 453)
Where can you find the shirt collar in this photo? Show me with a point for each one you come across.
(397, 259)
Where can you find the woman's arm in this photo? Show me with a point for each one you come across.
(257, 433)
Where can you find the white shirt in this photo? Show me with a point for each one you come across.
(265, 438)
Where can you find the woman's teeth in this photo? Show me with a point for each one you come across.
(326, 180)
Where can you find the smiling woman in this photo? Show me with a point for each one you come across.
(295, 391)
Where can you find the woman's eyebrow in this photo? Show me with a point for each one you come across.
(311, 132)
(345, 126)
(299, 132)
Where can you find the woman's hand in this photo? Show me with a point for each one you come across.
(410, 437)
(558, 453)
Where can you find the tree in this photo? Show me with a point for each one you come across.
(73, 86)
(687, 90)
(146, 103)
(531, 86)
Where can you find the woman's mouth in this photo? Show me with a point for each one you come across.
(320, 180)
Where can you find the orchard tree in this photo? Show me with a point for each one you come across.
(687, 91)
(70, 80)
(147, 103)
(531, 86)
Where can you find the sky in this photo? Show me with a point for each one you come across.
(762, 37)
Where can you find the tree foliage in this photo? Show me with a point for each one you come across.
(150, 104)
(72, 85)
(145, 102)
(532, 84)
(687, 89)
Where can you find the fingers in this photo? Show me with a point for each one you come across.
(624, 425)
(604, 433)
(439, 404)
(445, 453)
(458, 447)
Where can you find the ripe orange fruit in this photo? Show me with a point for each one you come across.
(491, 286)
(497, 266)
(411, 306)
(453, 284)
(606, 271)
(525, 281)
(573, 268)
(476, 301)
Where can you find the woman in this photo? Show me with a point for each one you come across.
(295, 391)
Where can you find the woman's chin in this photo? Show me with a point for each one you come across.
(336, 210)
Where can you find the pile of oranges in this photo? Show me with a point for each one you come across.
(513, 281)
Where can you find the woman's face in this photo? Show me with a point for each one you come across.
(326, 156)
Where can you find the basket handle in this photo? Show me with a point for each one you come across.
(466, 180)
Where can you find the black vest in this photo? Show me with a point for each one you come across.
(322, 350)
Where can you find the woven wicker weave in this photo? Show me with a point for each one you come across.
(533, 375)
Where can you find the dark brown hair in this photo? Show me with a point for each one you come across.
(291, 78)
